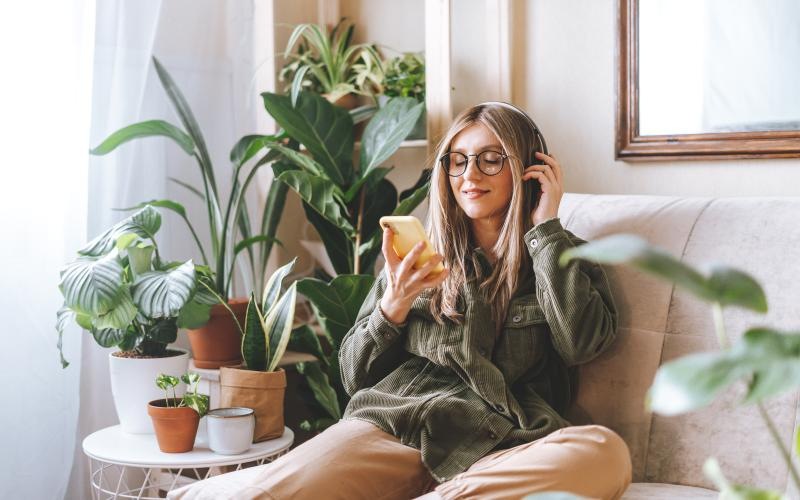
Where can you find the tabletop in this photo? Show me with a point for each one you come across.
(141, 450)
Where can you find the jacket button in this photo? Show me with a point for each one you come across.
(482, 351)
(387, 335)
(534, 243)
(492, 435)
(517, 318)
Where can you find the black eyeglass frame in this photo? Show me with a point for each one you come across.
(503, 157)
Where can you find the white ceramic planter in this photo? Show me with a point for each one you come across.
(230, 430)
(133, 385)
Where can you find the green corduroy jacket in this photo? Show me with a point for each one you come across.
(458, 392)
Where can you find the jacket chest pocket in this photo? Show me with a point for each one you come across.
(425, 336)
(524, 335)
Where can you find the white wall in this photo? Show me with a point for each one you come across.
(565, 77)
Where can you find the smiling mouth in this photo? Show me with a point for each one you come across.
(471, 194)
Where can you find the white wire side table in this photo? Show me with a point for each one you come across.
(130, 466)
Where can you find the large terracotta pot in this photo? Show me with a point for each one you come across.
(176, 428)
(133, 384)
(262, 391)
(219, 342)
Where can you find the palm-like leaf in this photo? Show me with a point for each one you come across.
(145, 129)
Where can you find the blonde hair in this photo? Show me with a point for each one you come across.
(449, 228)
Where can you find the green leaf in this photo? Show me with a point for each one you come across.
(371, 179)
(409, 203)
(160, 294)
(324, 129)
(336, 304)
(769, 359)
(108, 337)
(63, 317)
(164, 381)
(194, 314)
(297, 84)
(387, 129)
(627, 248)
(148, 128)
(248, 146)
(733, 287)
(197, 402)
(378, 202)
(279, 326)
(273, 287)
(140, 258)
(318, 193)
(323, 392)
(121, 315)
(249, 242)
(145, 223)
(164, 331)
(304, 340)
(92, 285)
(125, 240)
(338, 244)
(255, 344)
(305, 162)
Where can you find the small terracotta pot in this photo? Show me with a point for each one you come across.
(219, 342)
(175, 428)
(347, 101)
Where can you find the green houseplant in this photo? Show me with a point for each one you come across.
(404, 76)
(175, 419)
(764, 360)
(214, 338)
(327, 63)
(344, 202)
(123, 292)
(261, 384)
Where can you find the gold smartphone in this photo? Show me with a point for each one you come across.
(408, 231)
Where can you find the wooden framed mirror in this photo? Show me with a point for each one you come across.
(708, 79)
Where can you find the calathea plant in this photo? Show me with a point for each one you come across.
(766, 361)
(123, 292)
(344, 201)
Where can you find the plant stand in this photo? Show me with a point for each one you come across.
(123, 465)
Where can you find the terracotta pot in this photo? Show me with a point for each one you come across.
(219, 342)
(261, 391)
(347, 101)
(175, 428)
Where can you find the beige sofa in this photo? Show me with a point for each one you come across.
(658, 323)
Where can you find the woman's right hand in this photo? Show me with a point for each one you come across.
(404, 282)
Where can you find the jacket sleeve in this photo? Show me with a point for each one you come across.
(576, 299)
(370, 349)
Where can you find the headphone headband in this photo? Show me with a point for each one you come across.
(536, 130)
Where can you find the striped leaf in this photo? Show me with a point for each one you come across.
(108, 337)
(255, 347)
(92, 285)
(162, 294)
(279, 326)
(273, 288)
(144, 223)
(121, 315)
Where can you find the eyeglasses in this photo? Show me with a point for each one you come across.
(488, 162)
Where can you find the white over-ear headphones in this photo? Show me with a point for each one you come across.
(536, 130)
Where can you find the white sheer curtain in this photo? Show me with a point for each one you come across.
(53, 197)
(46, 49)
(208, 47)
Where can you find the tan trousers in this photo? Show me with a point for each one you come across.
(354, 459)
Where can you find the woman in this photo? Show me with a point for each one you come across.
(459, 380)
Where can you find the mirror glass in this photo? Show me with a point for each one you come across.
(709, 66)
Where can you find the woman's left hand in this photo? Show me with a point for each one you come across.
(551, 179)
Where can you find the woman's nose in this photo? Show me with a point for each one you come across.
(472, 171)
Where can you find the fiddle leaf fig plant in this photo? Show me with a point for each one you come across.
(123, 292)
(766, 361)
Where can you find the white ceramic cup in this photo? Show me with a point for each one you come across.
(230, 430)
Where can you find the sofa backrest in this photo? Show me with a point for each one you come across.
(658, 323)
